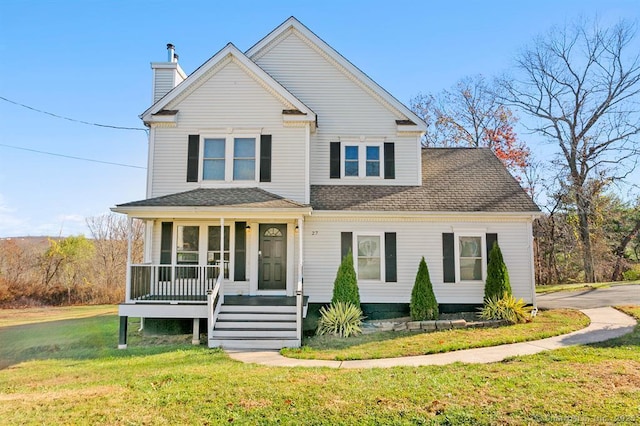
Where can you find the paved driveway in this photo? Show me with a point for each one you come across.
(594, 298)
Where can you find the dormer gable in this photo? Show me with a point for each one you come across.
(293, 26)
(163, 112)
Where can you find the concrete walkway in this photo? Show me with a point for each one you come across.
(606, 323)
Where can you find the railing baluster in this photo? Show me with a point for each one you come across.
(173, 283)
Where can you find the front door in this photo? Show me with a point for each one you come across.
(272, 257)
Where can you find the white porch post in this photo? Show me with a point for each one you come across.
(300, 251)
(221, 271)
(128, 279)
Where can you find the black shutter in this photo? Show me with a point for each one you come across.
(240, 261)
(346, 243)
(265, 158)
(389, 160)
(334, 160)
(166, 243)
(391, 269)
(448, 259)
(193, 153)
(490, 239)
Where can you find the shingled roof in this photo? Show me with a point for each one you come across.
(255, 198)
(453, 180)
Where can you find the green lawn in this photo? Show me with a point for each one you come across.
(395, 344)
(542, 289)
(81, 379)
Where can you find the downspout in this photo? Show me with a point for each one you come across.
(532, 268)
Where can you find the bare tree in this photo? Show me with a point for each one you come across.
(110, 234)
(470, 114)
(581, 85)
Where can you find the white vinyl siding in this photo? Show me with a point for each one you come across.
(344, 109)
(415, 238)
(230, 100)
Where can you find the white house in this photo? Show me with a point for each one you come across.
(280, 160)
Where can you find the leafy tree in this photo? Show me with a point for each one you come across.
(423, 301)
(497, 284)
(580, 85)
(470, 114)
(65, 260)
(345, 286)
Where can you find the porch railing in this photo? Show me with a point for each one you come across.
(215, 299)
(172, 283)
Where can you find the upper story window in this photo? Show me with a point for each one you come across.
(373, 161)
(213, 163)
(244, 159)
(229, 159)
(351, 160)
(362, 160)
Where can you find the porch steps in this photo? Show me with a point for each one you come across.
(252, 326)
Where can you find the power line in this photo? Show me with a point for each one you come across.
(74, 158)
(72, 119)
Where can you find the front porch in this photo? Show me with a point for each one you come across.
(198, 253)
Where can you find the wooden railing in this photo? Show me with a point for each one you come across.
(215, 299)
(171, 283)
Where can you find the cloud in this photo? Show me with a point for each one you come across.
(10, 223)
(13, 224)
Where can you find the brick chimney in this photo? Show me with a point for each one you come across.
(166, 75)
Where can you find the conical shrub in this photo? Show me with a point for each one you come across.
(497, 283)
(423, 301)
(345, 286)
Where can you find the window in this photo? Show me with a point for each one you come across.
(351, 161)
(213, 159)
(369, 254)
(244, 159)
(213, 247)
(362, 160)
(470, 258)
(373, 161)
(229, 159)
(187, 245)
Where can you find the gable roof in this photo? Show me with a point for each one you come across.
(453, 180)
(341, 61)
(249, 198)
(228, 51)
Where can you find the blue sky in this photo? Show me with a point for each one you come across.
(89, 60)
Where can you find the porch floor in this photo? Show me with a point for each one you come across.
(263, 300)
(172, 298)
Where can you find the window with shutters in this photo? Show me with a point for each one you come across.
(231, 158)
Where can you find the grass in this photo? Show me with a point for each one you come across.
(543, 289)
(88, 382)
(397, 344)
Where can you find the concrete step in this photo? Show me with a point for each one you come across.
(239, 325)
(253, 333)
(229, 343)
(253, 316)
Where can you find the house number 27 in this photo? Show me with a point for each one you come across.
(314, 232)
